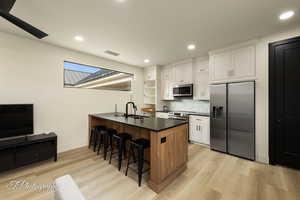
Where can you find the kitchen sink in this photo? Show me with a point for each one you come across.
(137, 116)
(130, 116)
(119, 114)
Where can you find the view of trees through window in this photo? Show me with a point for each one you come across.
(84, 76)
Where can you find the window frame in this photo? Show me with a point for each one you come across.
(64, 85)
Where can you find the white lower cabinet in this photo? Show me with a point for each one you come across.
(163, 115)
(199, 129)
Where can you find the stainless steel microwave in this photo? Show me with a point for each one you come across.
(185, 90)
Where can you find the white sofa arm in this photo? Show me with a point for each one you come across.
(66, 189)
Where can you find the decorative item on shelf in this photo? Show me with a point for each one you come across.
(165, 108)
(148, 109)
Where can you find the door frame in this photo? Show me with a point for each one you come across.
(272, 94)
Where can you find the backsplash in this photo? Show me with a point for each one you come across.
(188, 105)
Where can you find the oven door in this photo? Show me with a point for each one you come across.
(183, 90)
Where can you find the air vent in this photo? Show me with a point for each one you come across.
(111, 53)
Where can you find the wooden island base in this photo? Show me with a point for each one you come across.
(167, 154)
(158, 187)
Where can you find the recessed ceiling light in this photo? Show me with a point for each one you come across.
(191, 47)
(78, 38)
(146, 61)
(286, 15)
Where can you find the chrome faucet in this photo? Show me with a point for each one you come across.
(134, 107)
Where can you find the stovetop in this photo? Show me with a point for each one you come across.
(186, 113)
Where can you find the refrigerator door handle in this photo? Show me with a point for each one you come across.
(214, 112)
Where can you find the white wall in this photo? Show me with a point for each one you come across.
(32, 72)
(262, 67)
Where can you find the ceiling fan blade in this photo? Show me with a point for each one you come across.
(23, 25)
(6, 5)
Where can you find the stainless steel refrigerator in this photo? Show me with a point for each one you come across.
(232, 108)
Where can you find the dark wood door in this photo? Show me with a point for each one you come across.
(285, 103)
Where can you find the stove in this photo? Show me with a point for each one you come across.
(181, 115)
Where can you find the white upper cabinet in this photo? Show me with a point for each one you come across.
(201, 79)
(167, 90)
(167, 82)
(184, 72)
(195, 71)
(243, 62)
(221, 65)
(233, 64)
(150, 74)
(167, 73)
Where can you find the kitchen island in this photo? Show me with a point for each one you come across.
(168, 139)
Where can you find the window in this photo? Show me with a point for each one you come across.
(84, 76)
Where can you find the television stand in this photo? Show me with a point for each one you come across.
(21, 151)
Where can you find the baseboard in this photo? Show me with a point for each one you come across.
(200, 144)
(262, 159)
(72, 150)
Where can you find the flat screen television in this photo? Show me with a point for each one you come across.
(16, 120)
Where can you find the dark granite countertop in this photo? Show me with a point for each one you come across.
(153, 124)
(188, 113)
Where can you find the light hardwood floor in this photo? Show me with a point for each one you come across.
(210, 176)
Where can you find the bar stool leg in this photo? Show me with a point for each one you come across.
(105, 145)
(140, 164)
(95, 141)
(91, 137)
(120, 156)
(133, 155)
(131, 151)
(124, 149)
(100, 144)
(111, 151)
(110, 140)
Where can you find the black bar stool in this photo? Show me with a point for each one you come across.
(106, 140)
(121, 140)
(140, 145)
(98, 131)
(92, 137)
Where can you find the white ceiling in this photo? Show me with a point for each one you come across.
(156, 29)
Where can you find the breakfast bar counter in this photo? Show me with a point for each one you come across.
(168, 143)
